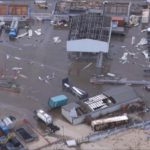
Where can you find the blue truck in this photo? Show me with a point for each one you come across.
(13, 28)
(57, 101)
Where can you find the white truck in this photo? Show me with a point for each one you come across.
(43, 116)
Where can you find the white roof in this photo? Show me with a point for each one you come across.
(87, 45)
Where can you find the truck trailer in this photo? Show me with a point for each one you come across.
(57, 101)
(43, 116)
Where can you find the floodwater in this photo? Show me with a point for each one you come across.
(44, 64)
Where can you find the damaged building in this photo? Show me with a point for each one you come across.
(121, 98)
(109, 8)
(89, 37)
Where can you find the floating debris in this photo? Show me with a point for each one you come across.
(17, 58)
(111, 74)
(16, 68)
(22, 35)
(23, 76)
(124, 58)
(87, 66)
(133, 40)
(143, 41)
(7, 56)
(40, 78)
(38, 31)
(57, 39)
(30, 33)
(145, 53)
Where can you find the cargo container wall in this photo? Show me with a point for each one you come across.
(3, 9)
(18, 10)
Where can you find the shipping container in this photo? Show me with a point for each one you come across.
(14, 9)
(57, 101)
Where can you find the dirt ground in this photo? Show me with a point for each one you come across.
(133, 139)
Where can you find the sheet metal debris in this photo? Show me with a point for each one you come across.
(7, 56)
(124, 58)
(30, 33)
(111, 74)
(23, 76)
(41, 79)
(17, 58)
(38, 32)
(133, 40)
(145, 53)
(16, 68)
(143, 41)
(22, 35)
(56, 39)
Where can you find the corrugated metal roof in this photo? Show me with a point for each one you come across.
(121, 93)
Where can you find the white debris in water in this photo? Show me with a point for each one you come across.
(133, 40)
(46, 81)
(7, 56)
(57, 39)
(123, 46)
(16, 68)
(48, 77)
(40, 78)
(145, 53)
(22, 35)
(124, 58)
(30, 33)
(23, 76)
(143, 41)
(144, 30)
(111, 74)
(38, 31)
(51, 22)
(17, 58)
